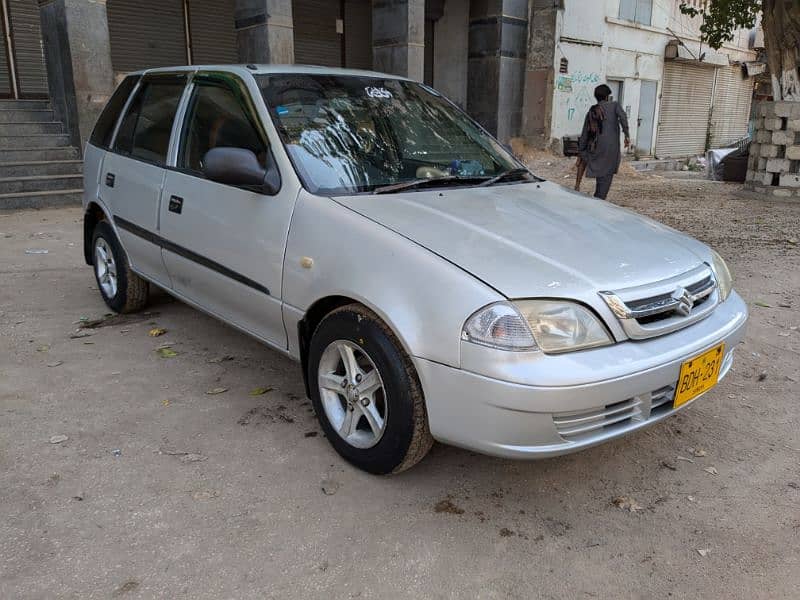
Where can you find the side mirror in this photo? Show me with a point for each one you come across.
(240, 167)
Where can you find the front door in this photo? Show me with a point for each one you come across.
(646, 120)
(224, 245)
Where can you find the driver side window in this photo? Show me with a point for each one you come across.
(216, 119)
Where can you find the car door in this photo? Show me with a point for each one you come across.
(224, 244)
(133, 172)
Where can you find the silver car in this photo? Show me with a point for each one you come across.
(430, 285)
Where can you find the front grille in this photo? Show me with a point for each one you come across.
(581, 425)
(651, 310)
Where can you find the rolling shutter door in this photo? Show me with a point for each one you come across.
(685, 107)
(358, 34)
(146, 34)
(212, 32)
(28, 55)
(316, 41)
(730, 114)
(5, 73)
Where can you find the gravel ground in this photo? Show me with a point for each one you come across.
(162, 490)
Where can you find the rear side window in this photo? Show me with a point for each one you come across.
(104, 128)
(145, 130)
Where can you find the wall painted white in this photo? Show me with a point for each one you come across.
(599, 46)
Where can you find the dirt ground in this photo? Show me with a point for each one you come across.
(162, 490)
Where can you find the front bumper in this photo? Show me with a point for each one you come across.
(618, 389)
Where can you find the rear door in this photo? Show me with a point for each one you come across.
(224, 245)
(133, 172)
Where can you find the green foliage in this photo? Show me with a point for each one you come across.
(721, 18)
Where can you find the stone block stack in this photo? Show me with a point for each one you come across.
(774, 164)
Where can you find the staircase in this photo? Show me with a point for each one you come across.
(38, 166)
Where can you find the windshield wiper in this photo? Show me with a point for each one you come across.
(507, 175)
(427, 182)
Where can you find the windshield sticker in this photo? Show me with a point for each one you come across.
(378, 92)
(282, 110)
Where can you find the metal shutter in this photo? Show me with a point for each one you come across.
(315, 39)
(730, 113)
(211, 31)
(5, 73)
(146, 34)
(28, 54)
(685, 107)
(358, 34)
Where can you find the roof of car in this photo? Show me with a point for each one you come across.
(274, 70)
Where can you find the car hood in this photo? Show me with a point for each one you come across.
(535, 239)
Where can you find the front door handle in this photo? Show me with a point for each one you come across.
(110, 179)
(175, 204)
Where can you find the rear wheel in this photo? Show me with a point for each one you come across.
(122, 289)
(366, 393)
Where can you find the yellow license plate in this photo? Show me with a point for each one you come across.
(698, 375)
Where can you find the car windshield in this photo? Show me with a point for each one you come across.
(353, 134)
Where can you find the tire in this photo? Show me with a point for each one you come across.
(404, 438)
(128, 292)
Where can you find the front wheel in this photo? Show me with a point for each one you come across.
(122, 289)
(366, 393)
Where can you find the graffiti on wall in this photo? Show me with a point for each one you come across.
(580, 95)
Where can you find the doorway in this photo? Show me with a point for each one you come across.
(22, 70)
(646, 120)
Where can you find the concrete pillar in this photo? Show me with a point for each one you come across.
(498, 35)
(398, 37)
(265, 31)
(537, 105)
(78, 58)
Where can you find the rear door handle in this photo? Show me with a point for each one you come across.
(110, 179)
(175, 204)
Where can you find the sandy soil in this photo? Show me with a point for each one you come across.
(162, 490)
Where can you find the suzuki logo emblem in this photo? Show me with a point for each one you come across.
(684, 300)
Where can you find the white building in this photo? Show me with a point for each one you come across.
(680, 97)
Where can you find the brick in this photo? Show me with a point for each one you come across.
(778, 165)
(793, 152)
(764, 136)
(773, 124)
(791, 180)
(783, 138)
(768, 151)
(783, 109)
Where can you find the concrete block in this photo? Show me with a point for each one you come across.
(764, 136)
(768, 151)
(778, 165)
(766, 109)
(762, 164)
(793, 152)
(755, 148)
(783, 138)
(752, 161)
(773, 124)
(751, 175)
(791, 180)
(793, 125)
(795, 110)
(781, 192)
(764, 178)
(783, 109)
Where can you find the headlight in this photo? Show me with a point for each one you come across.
(551, 325)
(723, 275)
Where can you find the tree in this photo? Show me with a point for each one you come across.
(781, 23)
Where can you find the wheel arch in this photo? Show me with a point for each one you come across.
(91, 217)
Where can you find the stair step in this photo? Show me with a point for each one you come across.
(30, 127)
(24, 104)
(36, 140)
(42, 167)
(37, 154)
(39, 183)
(16, 116)
(41, 199)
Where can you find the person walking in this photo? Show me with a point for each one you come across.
(598, 146)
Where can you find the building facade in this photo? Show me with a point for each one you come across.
(521, 67)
